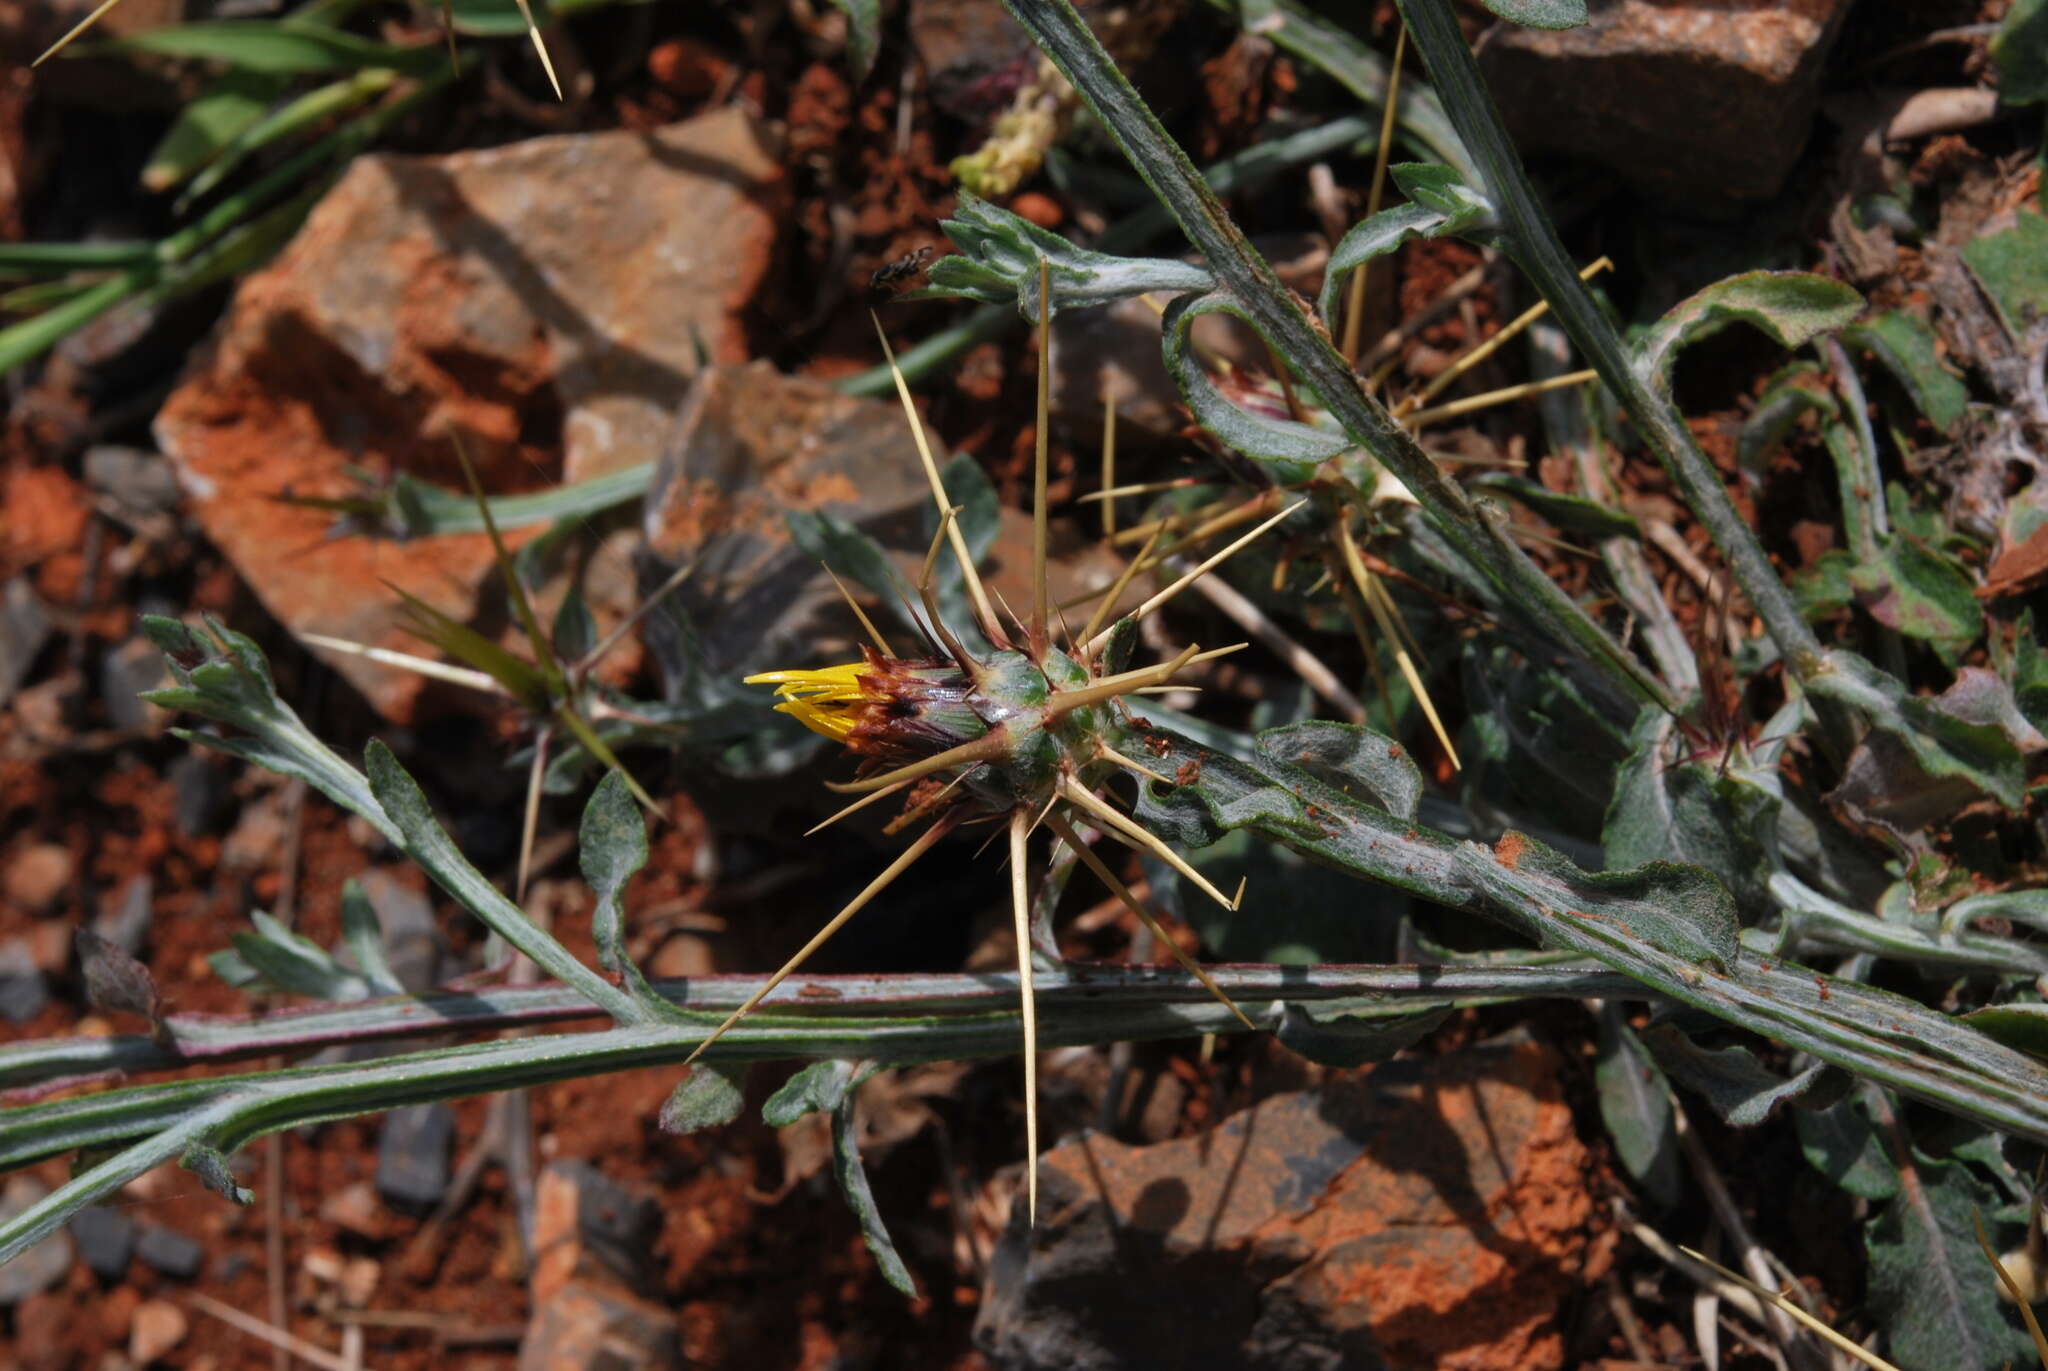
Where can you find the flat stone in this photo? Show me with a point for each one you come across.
(595, 1326)
(124, 918)
(127, 671)
(356, 1209)
(412, 939)
(544, 301)
(140, 484)
(42, 1265)
(203, 801)
(412, 1155)
(749, 445)
(1697, 102)
(24, 628)
(587, 1225)
(1423, 1214)
(159, 1326)
(106, 1239)
(38, 876)
(23, 991)
(170, 1253)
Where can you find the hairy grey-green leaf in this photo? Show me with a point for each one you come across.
(1788, 306)
(363, 936)
(2024, 1026)
(709, 1097)
(1777, 413)
(1841, 1143)
(1929, 1284)
(612, 847)
(1370, 238)
(1635, 1105)
(2012, 266)
(1348, 754)
(210, 1165)
(860, 1198)
(821, 1085)
(1540, 14)
(574, 632)
(1669, 808)
(1917, 591)
(1730, 1079)
(1297, 447)
(1923, 758)
(1571, 513)
(1351, 1040)
(1001, 263)
(290, 962)
(1904, 344)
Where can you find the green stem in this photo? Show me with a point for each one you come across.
(196, 1038)
(1531, 240)
(1273, 310)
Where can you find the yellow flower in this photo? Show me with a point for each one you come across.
(828, 700)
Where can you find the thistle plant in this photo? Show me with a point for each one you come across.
(1727, 901)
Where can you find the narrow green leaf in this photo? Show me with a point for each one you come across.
(208, 124)
(2021, 52)
(23, 259)
(819, 1086)
(1777, 413)
(2012, 266)
(1348, 755)
(1635, 1105)
(1540, 14)
(1929, 1286)
(295, 116)
(863, 34)
(363, 936)
(525, 681)
(281, 48)
(574, 633)
(1730, 1079)
(1904, 344)
(1842, 1145)
(611, 846)
(1266, 439)
(28, 339)
(1571, 513)
(860, 1198)
(1788, 306)
(709, 1097)
(2024, 1026)
(1370, 238)
(1345, 1041)
(1000, 266)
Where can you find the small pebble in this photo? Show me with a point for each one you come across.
(170, 1254)
(37, 877)
(412, 1155)
(159, 1326)
(23, 992)
(41, 1266)
(106, 1239)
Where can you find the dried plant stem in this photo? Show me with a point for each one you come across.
(1020, 908)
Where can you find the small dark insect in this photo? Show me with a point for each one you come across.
(893, 276)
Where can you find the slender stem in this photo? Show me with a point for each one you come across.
(1532, 241)
(219, 1038)
(1020, 908)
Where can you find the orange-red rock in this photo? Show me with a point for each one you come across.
(1420, 1216)
(543, 301)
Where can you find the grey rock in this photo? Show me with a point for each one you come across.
(412, 940)
(42, 1265)
(412, 1155)
(1696, 102)
(170, 1253)
(595, 1326)
(106, 1239)
(23, 991)
(125, 672)
(615, 1225)
(140, 484)
(124, 920)
(203, 799)
(24, 626)
(749, 445)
